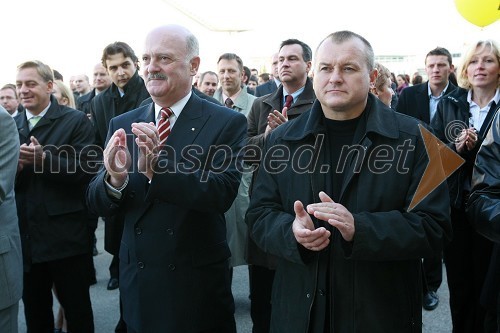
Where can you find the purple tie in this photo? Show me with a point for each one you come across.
(229, 103)
(288, 101)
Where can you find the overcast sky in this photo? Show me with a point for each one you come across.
(69, 35)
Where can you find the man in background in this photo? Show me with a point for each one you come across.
(208, 83)
(294, 97)
(233, 94)
(101, 82)
(82, 84)
(274, 81)
(420, 101)
(9, 100)
(125, 93)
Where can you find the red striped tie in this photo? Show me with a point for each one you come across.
(164, 124)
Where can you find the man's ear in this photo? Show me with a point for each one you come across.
(195, 65)
(50, 86)
(373, 77)
(308, 66)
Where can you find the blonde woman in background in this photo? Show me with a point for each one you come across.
(462, 120)
(63, 94)
(382, 85)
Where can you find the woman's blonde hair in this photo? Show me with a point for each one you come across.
(382, 77)
(66, 93)
(463, 80)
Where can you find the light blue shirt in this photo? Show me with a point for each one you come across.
(295, 95)
(433, 100)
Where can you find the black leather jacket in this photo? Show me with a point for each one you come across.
(484, 204)
(451, 117)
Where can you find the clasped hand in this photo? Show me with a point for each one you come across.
(117, 158)
(31, 154)
(466, 140)
(335, 214)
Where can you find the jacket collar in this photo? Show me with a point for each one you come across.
(54, 112)
(274, 99)
(377, 118)
(130, 86)
(458, 96)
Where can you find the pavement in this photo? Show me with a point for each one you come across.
(105, 302)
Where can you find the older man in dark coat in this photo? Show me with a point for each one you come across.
(339, 214)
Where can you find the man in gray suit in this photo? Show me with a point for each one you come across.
(232, 94)
(11, 264)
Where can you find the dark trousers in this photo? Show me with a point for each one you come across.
(121, 326)
(490, 296)
(261, 284)
(114, 272)
(467, 259)
(71, 278)
(229, 328)
(432, 269)
(114, 267)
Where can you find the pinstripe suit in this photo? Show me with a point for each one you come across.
(11, 265)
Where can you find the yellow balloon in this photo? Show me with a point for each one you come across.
(479, 12)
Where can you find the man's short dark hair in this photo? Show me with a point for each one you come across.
(57, 75)
(202, 76)
(232, 56)
(342, 36)
(247, 73)
(116, 48)
(440, 51)
(306, 50)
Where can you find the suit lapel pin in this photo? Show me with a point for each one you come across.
(192, 129)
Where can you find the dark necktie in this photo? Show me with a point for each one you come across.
(288, 101)
(229, 103)
(164, 125)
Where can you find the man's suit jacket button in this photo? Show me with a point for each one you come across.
(156, 201)
(171, 267)
(140, 264)
(170, 232)
(131, 195)
(138, 231)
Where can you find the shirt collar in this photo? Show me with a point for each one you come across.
(176, 108)
(30, 115)
(429, 92)
(233, 98)
(295, 95)
(495, 98)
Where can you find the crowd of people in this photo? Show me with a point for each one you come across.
(306, 174)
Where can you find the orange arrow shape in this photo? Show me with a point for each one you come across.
(442, 163)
